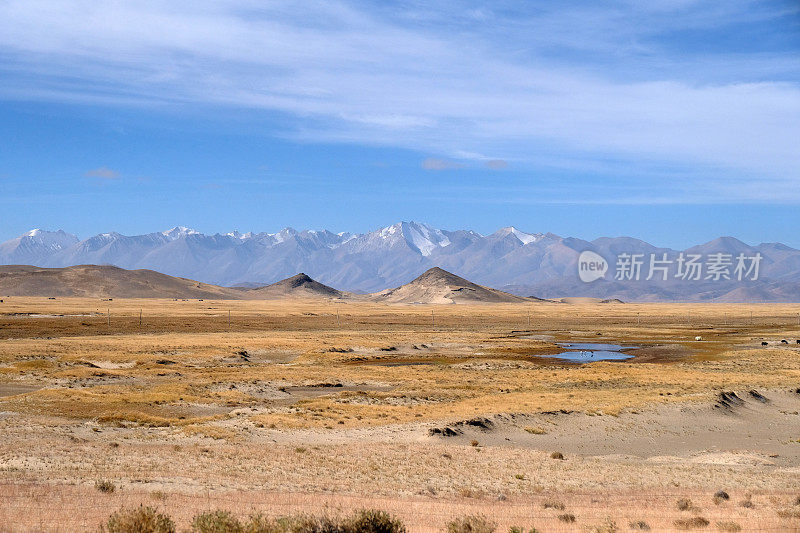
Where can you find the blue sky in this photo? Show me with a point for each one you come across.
(672, 121)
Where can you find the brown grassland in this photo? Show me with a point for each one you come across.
(327, 406)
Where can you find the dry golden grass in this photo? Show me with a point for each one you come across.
(206, 411)
(67, 508)
(130, 384)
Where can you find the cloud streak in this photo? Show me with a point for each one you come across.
(568, 88)
(103, 173)
(435, 163)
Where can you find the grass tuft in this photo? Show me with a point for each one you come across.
(138, 520)
(218, 521)
(694, 522)
(105, 486)
(471, 524)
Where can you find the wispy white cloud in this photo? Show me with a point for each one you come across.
(497, 164)
(103, 173)
(436, 163)
(576, 86)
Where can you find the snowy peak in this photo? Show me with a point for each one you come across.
(35, 246)
(51, 240)
(420, 237)
(179, 231)
(524, 238)
(240, 236)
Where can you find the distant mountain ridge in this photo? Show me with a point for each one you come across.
(525, 264)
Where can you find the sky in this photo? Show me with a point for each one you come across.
(674, 121)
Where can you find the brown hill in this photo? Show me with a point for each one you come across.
(102, 281)
(438, 286)
(298, 286)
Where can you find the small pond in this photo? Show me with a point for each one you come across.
(591, 351)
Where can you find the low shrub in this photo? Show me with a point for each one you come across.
(552, 504)
(691, 523)
(471, 524)
(138, 520)
(372, 521)
(684, 504)
(218, 521)
(103, 485)
(721, 496)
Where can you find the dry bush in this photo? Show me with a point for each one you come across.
(609, 526)
(138, 520)
(721, 496)
(103, 485)
(639, 525)
(789, 513)
(557, 455)
(747, 502)
(313, 524)
(552, 504)
(569, 518)
(684, 504)
(694, 522)
(471, 524)
(728, 526)
(260, 523)
(218, 521)
(363, 521)
(372, 521)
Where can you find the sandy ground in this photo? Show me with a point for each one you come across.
(291, 409)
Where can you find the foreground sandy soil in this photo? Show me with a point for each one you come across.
(429, 412)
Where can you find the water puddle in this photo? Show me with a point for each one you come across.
(591, 351)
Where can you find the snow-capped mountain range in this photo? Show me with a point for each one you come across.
(540, 264)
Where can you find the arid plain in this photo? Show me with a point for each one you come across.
(427, 411)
